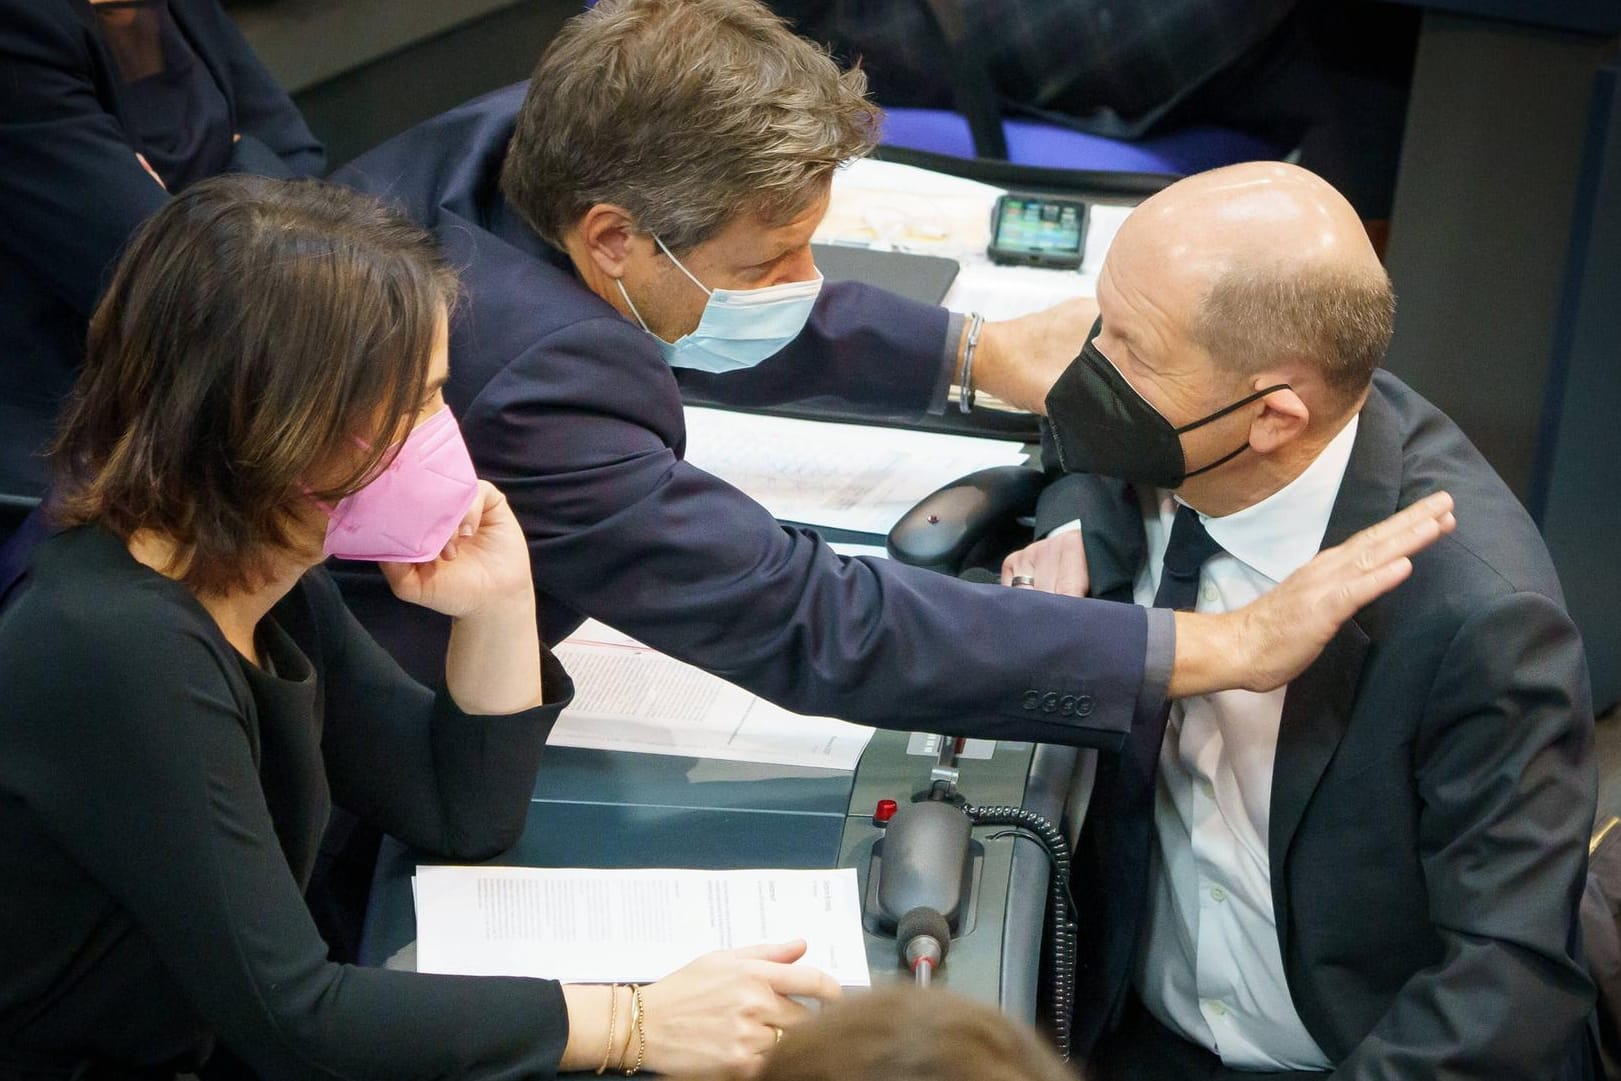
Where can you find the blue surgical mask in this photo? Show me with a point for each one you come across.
(739, 327)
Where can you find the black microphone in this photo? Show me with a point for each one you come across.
(924, 938)
(980, 575)
(924, 861)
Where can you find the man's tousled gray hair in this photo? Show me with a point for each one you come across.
(685, 113)
(1335, 317)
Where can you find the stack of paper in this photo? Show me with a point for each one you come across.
(591, 926)
(629, 697)
(844, 476)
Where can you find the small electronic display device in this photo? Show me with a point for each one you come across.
(1031, 230)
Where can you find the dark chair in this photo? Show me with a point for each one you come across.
(978, 138)
(970, 524)
(1038, 144)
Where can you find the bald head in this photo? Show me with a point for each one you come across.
(1263, 264)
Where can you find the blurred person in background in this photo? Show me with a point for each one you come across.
(908, 1034)
(1328, 78)
(107, 108)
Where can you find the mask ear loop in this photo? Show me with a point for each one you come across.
(1223, 460)
(1241, 403)
(632, 305)
(682, 266)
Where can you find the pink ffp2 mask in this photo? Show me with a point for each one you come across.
(409, 511)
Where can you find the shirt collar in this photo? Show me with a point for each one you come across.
(1281, 533)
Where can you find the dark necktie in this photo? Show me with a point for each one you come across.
(1185, 556)
(1125, 833)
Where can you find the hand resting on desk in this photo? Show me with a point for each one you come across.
(717, 1017)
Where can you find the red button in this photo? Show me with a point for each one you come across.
(884, 811)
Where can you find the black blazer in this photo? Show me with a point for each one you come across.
(71, 191)
(572, 411)
(161, 804)
(1433, 789)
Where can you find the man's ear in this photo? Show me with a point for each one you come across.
(605, 235)
(1283, 419)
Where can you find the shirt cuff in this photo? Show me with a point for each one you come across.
(1159, 656)
(1071, 526)
(948, 362)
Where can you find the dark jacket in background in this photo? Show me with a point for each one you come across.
(1114, 68)
(71, 191)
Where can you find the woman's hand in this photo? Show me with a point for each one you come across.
(482, 579)
(721, 1014)
(484, 564)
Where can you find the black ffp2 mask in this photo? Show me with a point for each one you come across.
(1101, 425)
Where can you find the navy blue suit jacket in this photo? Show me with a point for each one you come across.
(1432, 791)
(72, 193)
(571, 410)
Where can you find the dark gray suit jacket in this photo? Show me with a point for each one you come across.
(1433, 788)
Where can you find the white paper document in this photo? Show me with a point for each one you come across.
(843, 476)
(629, 697)
(637, 926)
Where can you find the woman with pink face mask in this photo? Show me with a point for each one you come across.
(184, 698)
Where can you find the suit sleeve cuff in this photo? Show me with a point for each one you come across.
(1160, 655)
(948, 363)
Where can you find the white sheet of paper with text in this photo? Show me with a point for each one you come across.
(629, 926)
(630, 697)
(843, 476)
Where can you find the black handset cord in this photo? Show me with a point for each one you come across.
(1060, 928)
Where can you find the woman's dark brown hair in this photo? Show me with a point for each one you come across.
(904, 1034)
(255, 336)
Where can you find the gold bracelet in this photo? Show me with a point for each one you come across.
(630, 1029)
(638, 1017)
(613, 1014)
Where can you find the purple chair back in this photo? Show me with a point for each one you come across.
(1032, 143)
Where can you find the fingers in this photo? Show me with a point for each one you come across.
(800, 980)
(1054, 565)
(488, 499)
(1359, 592)
(1377, 560)
(787, 1013)
(785, 953)
(1407, 531)
(1070, 575)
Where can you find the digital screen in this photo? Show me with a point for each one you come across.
(1037, 225)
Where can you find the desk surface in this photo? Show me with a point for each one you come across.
(600, 809)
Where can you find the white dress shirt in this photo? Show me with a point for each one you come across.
(1209, 966)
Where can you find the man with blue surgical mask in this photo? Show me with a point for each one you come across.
(635, 224)
(739, 328)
